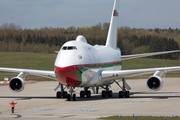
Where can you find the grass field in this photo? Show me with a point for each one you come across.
(151, 63)
(45, 61)
(41, 61)
(140, 118)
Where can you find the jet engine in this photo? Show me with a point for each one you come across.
(155, 83)
(17, 84)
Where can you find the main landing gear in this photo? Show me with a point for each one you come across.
(106, 92)
(85, 92)
(71, 95)
(124, 92)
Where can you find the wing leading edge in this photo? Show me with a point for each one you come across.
(125, 57)
(42, 73)
(112, 75)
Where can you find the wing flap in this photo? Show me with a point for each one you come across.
(127, 86)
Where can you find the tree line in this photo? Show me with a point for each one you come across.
(130, 40)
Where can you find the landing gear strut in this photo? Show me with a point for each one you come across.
(124, 92)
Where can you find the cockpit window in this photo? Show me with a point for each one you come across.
(74, 47)
(64, 48)
(69, 48)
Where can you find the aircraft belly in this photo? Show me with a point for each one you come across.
(91, 77)
(98, 83)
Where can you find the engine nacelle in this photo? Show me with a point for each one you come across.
(17, 84)
(155, 83)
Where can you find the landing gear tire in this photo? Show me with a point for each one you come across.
(103, 93)
(64, 94)
(58, 94)
(121, 94)
(68, 97)
(127, 94)
(88, 94)
(74, 97)
(82, 94)
(110, 93)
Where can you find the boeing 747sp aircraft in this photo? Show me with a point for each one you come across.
(79, 64)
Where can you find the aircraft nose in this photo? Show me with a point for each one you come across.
(67, 76)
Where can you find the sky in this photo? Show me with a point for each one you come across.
(33, 14)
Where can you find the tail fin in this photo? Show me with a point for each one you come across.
(112, 33)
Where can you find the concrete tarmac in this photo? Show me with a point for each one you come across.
(38, 102)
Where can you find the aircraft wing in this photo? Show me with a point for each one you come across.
(42, 73)
(112, 75)
(125, 57)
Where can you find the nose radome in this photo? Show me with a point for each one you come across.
(67, 76)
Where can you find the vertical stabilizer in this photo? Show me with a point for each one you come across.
(112, 33)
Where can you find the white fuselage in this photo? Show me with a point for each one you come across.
(78, 62)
